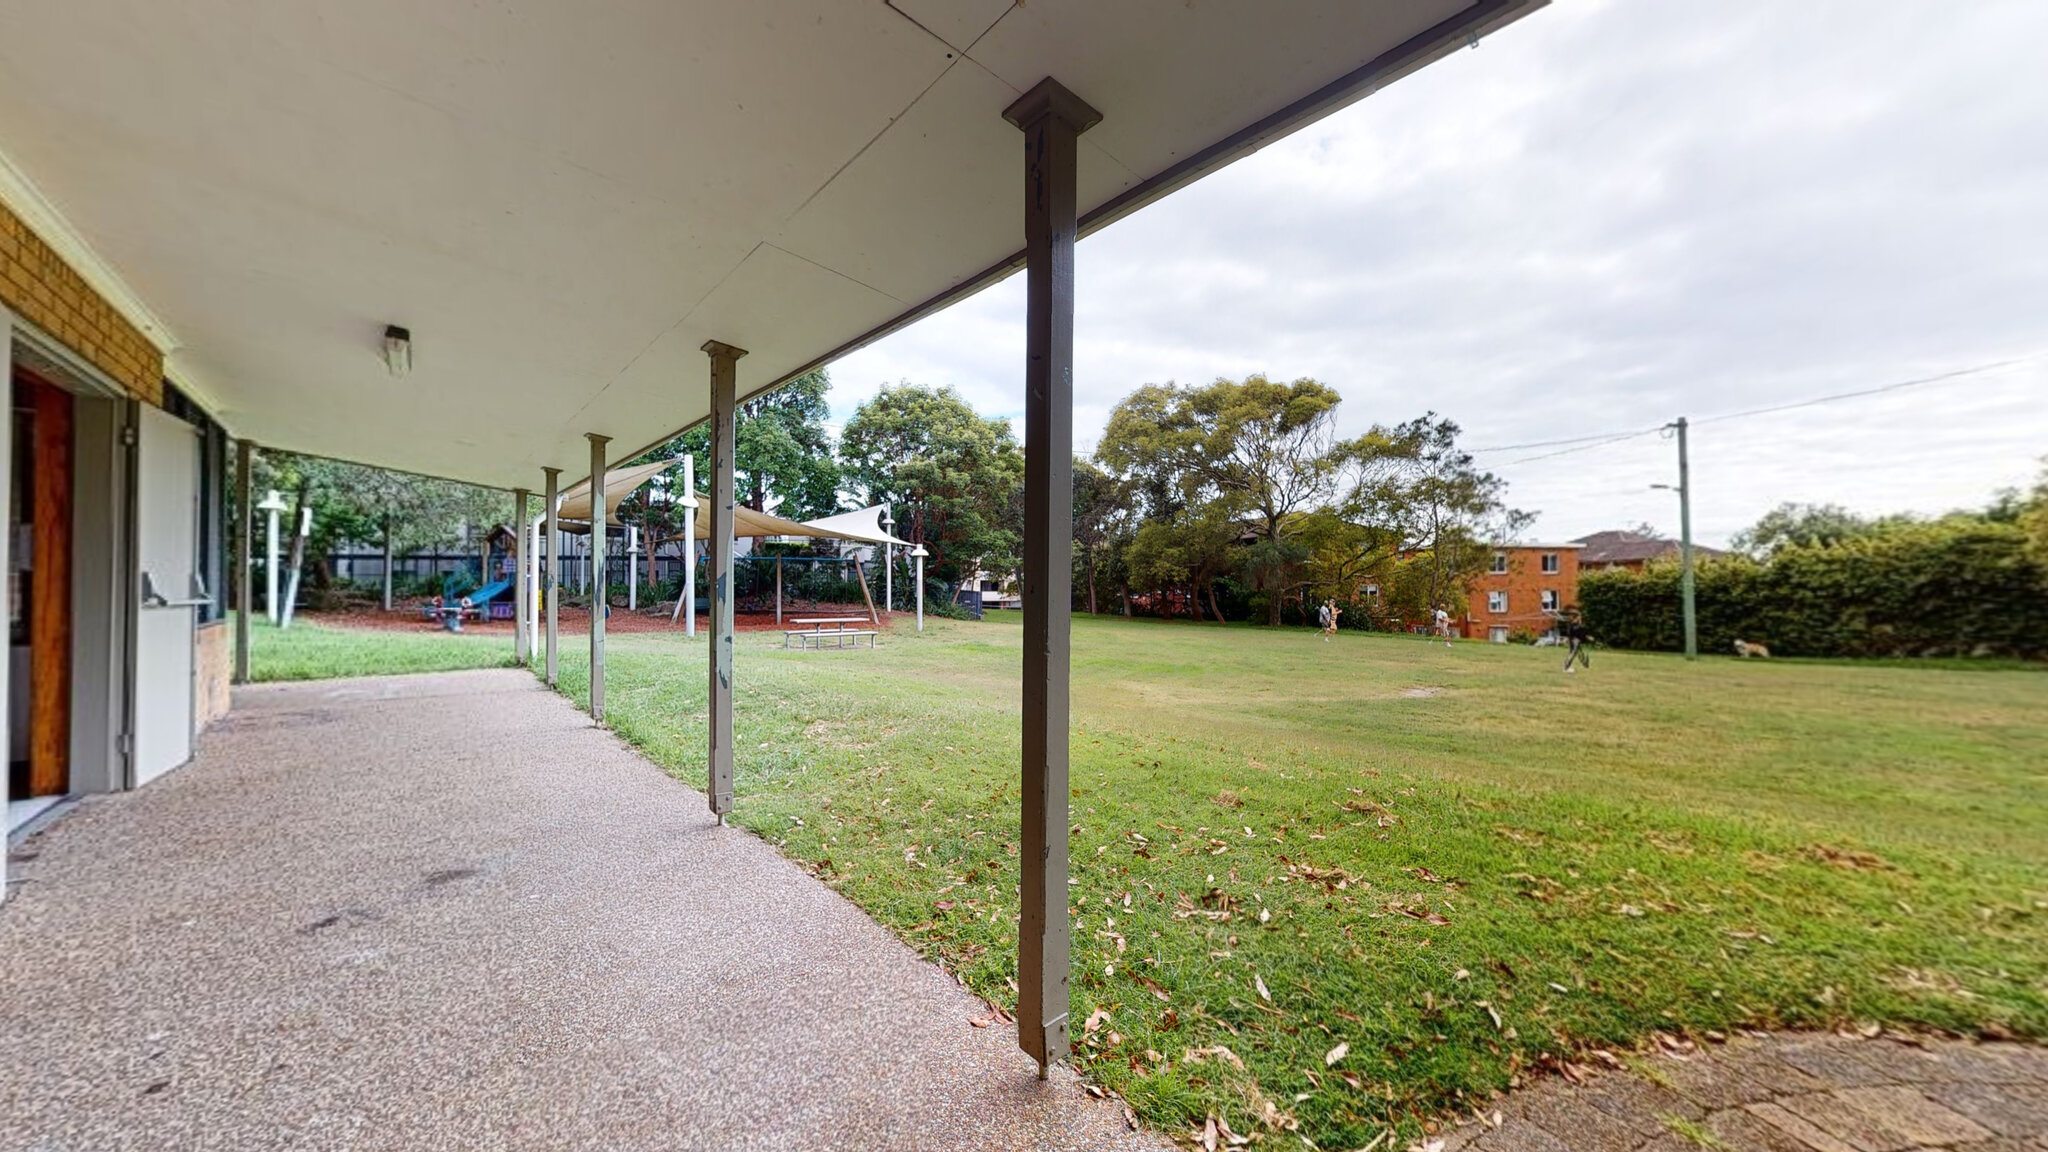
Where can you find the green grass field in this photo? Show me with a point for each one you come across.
(1352, 885)
(313, 651)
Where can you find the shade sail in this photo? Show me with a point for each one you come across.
(563, 202)
(747, 522)
(864, 525)
(619, 483)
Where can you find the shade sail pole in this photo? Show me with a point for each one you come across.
(522, 640)
(1051, 118)
(724, 373)
(687, 603)
(600, 579)
(550, 541)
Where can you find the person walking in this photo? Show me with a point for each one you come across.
(1327, 617)
(1574, 631)
(1443, 625)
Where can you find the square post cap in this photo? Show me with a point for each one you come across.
(717, 350)
(1049, 97)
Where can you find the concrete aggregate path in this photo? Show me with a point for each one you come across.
(448, 912)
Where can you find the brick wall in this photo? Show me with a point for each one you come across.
(1525, 581)
(215, 656)
(43, 290)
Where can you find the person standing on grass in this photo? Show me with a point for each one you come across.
(1329, 616)
(1443, 625)
(1574, 632)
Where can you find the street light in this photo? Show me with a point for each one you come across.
(918, 554)
(273, 503)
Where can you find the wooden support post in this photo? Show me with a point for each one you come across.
(600, 581)
(860, 577)
(550, 591)
(245, 531)
(522, 640)
(778, 591)
(724, 388)
(1051, 118)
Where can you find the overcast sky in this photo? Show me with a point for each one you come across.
(1614, 213)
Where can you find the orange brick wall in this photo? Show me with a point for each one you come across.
(43, 290)
(1524, 582)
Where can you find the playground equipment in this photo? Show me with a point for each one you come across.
(452, 610)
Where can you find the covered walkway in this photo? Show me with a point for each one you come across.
(449, 912)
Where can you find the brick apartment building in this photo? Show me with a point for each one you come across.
(1523, 587)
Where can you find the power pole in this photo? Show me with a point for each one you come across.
(1685, 573)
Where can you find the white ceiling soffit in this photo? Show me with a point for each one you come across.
(564, 202)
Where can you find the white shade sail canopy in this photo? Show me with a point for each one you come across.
(864, 525)
(563, 202)
(618, 484)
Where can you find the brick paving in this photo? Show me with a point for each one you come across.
(1786, 1093)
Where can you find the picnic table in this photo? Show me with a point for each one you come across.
(815, 630)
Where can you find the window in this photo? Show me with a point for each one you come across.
(1497, 635)
(1496, 601)
(1500, 562)
(1372, 591)
(1550, 562)
(1550, 599)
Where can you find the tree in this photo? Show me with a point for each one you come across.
(955, 478)
(1413, 483)
(782, 451)
(1267, 449)
(782, 457)
(2033, 519)
(401, 512)
(1802, 526)
(1099, 502)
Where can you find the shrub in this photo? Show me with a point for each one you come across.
(1956, 587)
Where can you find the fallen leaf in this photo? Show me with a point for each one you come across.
(1331, 1057)
(1260, 983)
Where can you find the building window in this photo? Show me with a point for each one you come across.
(1550, 599)
(1496, 601)
(1500, 563)
(1497, 635)
(1372, 591)
(1550, 562)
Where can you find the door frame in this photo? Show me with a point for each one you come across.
(103, 581)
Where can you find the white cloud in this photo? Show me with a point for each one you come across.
(1607, 216)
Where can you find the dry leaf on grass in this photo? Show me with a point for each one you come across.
(1331, 1057)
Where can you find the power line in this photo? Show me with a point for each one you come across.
(1588, 443)
(1943, 377)
(1615, 439)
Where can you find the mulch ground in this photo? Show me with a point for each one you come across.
(574, 621)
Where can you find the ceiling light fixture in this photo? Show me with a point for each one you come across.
(397, 349)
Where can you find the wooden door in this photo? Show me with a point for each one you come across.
(43, 574)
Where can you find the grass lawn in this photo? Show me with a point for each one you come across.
(310, 651)
(1351, 885)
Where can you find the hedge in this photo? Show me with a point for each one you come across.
(1956, 587)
